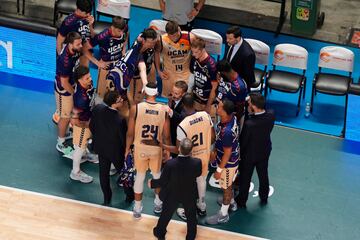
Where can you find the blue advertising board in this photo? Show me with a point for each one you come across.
(27, 54)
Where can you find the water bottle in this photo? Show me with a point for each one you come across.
(307, 110)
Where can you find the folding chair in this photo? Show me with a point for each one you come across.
(334, 58)
(288, 56)
(66, 7)
(262, 52)
(158, 25)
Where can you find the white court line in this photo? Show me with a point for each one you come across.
(309, 131)
(125, 211)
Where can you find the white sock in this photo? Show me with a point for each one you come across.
(224, 209)
(78, 153)
(232, 201)
(201, 184)
(157, 200)
(60, 140)
(137, 205)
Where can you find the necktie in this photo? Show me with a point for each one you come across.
(230, 53)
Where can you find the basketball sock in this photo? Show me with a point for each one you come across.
(157, 200)
(77, 154)
(232, 201)
(137, 205)
(60, 140)
(224, 209)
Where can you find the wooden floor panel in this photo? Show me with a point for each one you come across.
(26, 215)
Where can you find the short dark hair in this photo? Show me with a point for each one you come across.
(186, 146)
(80, 71)
(228, 106)
(111, 97)
(71, 37)
(188, 100)
(258, 100)
(172, 27)
(84, 5)
(149, 33)
(234, 30)
(223, 66)
(198, 43)
(182, 85)
(119, 23)
(151, 85)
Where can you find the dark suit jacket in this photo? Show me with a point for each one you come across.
(108, 130)
(175, 120)
(178, 179)
(243, 62)
(255, 141)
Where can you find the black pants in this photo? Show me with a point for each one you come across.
(246, 172)
(169, 207)
(104, 169)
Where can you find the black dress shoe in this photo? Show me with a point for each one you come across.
(158, 237)
(106, 203)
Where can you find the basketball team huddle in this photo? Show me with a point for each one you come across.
(205, 101)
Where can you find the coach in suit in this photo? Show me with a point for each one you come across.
(240, 55)
(255, 145)
(178, 186)
(108, 129)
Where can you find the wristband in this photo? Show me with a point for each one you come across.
(219, 169)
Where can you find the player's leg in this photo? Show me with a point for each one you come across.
(155, 168)
(64, 106)
(81, 137)
(101, 83)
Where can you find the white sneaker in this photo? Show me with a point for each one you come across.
(91, 157)
(158, 208)
(137, 213)
(64, 148)
(181, 213)
(68, 135)
(81, 176)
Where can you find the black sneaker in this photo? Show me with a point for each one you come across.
(200, 212)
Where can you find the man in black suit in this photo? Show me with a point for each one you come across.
(178, 186)
(255, 145)
(109, 133)
(176, 109)
(240, 55)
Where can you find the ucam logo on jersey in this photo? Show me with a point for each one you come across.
(8, 56)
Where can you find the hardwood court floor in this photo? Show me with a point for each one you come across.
(28, 215)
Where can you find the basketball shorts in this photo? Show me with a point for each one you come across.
(81, 136)
(227, 177)
(64, 105)
(147, 157)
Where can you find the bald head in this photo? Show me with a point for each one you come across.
(186, 146)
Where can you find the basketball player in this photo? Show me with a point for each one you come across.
(66, 62)
(120, 77)
(227, 157)
(112, 43)
(198, 127)
(81, 114)
(203, 67)
(233, 87)
(81, 22)
(147, 120)
(174, 46)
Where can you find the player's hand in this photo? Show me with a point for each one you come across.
(212, 156)
(149, 183)
(167, 109)
(103, 65)
(218, 77)
(191, 15)
(164, 75)
(90, 19)
(103, 2)
(217, 175)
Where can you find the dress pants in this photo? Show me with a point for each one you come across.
(245, 174)
(104, 175)
(170, 204)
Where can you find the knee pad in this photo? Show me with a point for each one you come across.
(139, 182)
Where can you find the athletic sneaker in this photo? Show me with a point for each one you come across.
(181, 213)
(200, 212)
(68, 135)
(81, 176)
(217, 219)
(157, 208)
(91, 157)
(233, 206)
(64, 148)
(137, 213)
